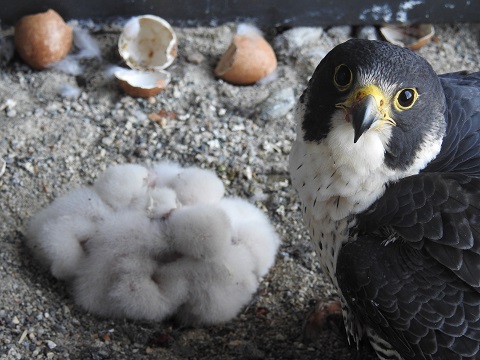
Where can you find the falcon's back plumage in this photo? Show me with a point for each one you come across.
(460, 148)
(404, 250)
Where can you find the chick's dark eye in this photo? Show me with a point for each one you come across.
(343, 77)
(406, 98)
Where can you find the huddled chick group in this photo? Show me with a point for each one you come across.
(154, 243)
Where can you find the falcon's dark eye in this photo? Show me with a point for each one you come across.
(343, 77)
(405, 99)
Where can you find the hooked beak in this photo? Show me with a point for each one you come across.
(364, 107)
(363, 114)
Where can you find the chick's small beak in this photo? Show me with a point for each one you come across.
(362, 114)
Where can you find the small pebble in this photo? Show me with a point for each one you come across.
(7, 49)
(195, 58)
(368, 33)
(343, 32)
(23, 336)
(8, 104)
(3, 166)
(278, 104)
(295, 39)
(107, 141)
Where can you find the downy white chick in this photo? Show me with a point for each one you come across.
(123, 186)
(218, 288)
(161, 201)
(200, 232)
(220, 273)
(121, 276)
(162, 242)
(58, 233)
(194, 185)
(163, 172)
(252, 228)
(133, 186)
(191, 184)
(145, 269)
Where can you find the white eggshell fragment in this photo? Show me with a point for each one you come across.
(138, 83)
(148, 42)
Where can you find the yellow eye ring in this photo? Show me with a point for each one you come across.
(342, 77)
(405, 98)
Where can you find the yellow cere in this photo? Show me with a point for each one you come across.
(383, 102)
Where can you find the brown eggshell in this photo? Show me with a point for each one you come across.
(412, 37)
(248, 59)
(139, 83)
(42, 38)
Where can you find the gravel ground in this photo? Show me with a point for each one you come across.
(51, 144)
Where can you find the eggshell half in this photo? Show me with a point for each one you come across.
(248, 59)
(409, 36)
(139, 83)
(42, 38)
(148, 42)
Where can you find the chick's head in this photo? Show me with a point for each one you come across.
(201, 231)
(194, 186)
(162, 201)
(122, 186)
(163, 172)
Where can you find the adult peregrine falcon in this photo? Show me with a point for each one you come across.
(387, 167)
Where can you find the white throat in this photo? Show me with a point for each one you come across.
(336, 178)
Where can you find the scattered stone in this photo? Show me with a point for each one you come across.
(11, 113)
(341, 33)
(9, 104)
(7, 49)
(278, 104)
(22, 337)
(3, 167)
(160, 339)
(297, 39)
(368, 33)
(195, 58)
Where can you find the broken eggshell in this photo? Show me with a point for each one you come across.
(248, 59)
(43, 38)
(412, 37)
(138, 83)
(148, 42)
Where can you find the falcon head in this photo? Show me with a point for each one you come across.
(375, 104)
